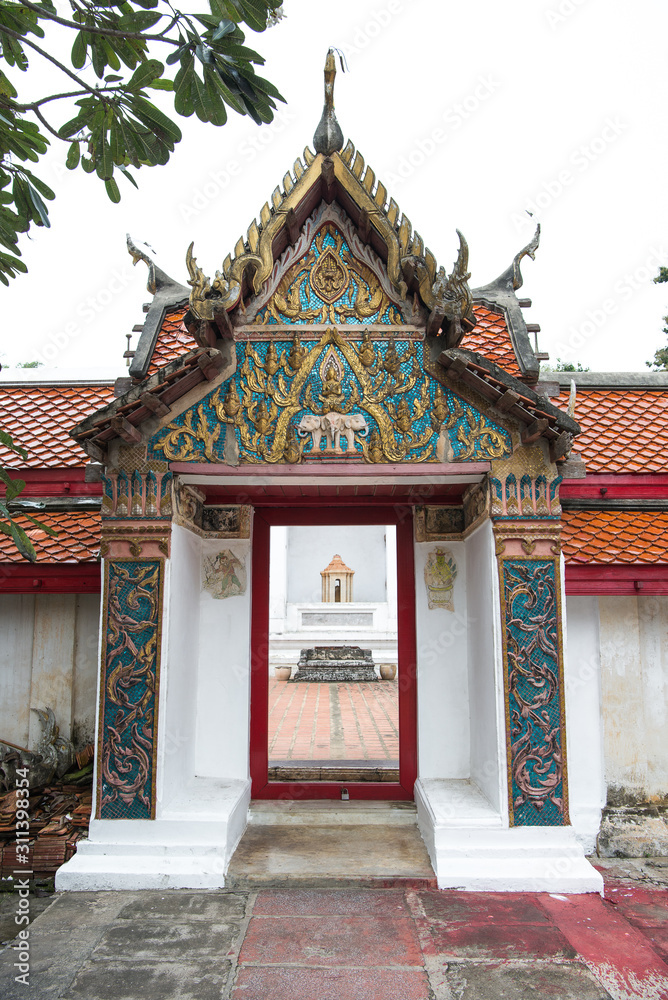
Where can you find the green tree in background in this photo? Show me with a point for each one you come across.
(660, 361)
(115, 61)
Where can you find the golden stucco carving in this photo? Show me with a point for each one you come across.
(447, 297)
(273, 388)
(329, 273)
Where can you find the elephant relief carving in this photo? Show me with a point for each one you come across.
(333, 425)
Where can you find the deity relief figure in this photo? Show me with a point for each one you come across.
(366, 351)
(297, 354)
(440, 405)
(392, 361)
(403, 420)
(271, 363)
(332, 385)
(375, 450)
(440, 573)
(231, 402)
(329, 277)
(263, 420)
(224, 575)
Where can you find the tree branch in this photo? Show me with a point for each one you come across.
(57, 97)
(48, 127)
(43, 52)
(110, 32)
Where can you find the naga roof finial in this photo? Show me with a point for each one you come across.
(528, 251)
(328, 136)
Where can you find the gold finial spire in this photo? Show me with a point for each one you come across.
(328, 136)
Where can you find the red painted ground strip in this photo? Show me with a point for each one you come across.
(618, 954)
(315, 944)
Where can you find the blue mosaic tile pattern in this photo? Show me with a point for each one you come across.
(128, 709)
(390, 314)
(198, 436)
(534, 695)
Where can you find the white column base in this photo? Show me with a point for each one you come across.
(472, 848)
(188, 846)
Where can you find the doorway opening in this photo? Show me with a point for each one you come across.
(333, 692)
(324, 724)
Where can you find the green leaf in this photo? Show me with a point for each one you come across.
(112, 190)
(43, 188)
(39, 206)
(39, 524)
(104, 163)
(162, 85)
(152, 116)
(23, 543)
(145, 73)
(7, 441)
(73, 156)
(126, 173)
(183, 87)
(79, 51)
(224, 28)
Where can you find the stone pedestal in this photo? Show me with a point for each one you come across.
(335, 663)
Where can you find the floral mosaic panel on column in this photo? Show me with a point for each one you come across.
(128, 710)
(136, 528)
(530, 591)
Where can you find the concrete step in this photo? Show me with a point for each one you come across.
(335, 856)
(331, 812)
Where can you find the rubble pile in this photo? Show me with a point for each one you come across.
(59, 815)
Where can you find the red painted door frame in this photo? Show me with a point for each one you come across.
(263, 519)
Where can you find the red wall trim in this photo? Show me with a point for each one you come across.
(623, 486)
(54, 578)
(407, 685)
(55, 482)
(630, 579)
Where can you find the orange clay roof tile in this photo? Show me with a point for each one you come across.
(173, 341)
(490, 337)
(615, 536)
(622, 430)
(39, 418)
(78, 539)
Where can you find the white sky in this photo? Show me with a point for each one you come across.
(558, 106)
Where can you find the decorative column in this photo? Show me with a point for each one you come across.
(136, 530)
(526, 514)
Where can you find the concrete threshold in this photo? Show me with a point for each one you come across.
(355, 845)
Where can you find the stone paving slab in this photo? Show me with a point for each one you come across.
(340, 943)
(123, 980)
(514, 981)
(337, 941)
(271, 983)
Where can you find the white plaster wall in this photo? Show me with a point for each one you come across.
(634, 680)
(223, 699)
(442, 675)
(48, 658)
(485, 677)
(311, 548)
(86, 646)
(278, 576)
(178, 668)
(584, 728)
(17, 616)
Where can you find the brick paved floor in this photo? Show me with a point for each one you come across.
(328, 721)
